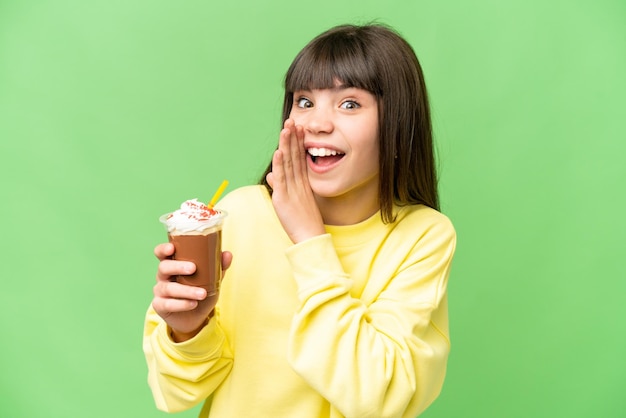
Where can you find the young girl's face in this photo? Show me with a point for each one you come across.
(341, 140)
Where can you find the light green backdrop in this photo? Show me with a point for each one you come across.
(112, 112)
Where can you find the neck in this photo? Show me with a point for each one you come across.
(345, 210)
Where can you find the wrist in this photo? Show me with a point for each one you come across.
(180, 336)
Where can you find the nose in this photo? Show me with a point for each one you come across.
(318, 121)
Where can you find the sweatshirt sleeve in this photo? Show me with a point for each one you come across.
(181, 375)
(384, 359)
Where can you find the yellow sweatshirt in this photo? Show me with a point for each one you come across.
(352, 323)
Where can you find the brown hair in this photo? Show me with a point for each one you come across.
(377, 59)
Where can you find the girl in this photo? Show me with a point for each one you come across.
(335, 304)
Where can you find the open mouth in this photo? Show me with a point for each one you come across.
(324, 156)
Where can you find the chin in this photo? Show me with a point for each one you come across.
(324, 191)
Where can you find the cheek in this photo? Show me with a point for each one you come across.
(294, 114)
(374, 158)
(373, 143)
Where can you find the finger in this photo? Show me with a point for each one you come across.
(169, 306)
(168, 268)
(290, 141)
(227, 259)
(162, 251)
(293, 146)
(299, 155)
(175, 290)
(270, 179)
(289, 123)
(278, 172)
(289, 126)
(285, 146)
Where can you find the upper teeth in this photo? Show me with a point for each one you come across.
(322, 152)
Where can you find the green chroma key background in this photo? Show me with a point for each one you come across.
(113, 112)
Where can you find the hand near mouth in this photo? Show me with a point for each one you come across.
(292, 196)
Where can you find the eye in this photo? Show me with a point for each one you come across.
(304, 103)
(350, 105)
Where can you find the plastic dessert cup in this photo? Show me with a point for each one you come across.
(201, 243)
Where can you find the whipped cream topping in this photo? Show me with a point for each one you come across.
(193, 216)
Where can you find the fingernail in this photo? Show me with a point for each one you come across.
(200, 293)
